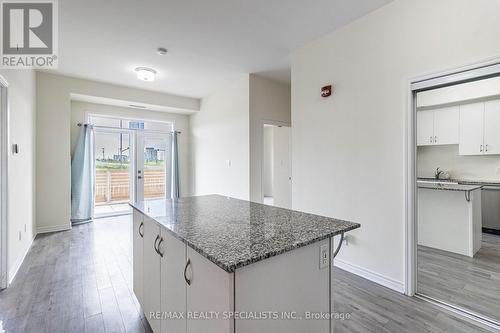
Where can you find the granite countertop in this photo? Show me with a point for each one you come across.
(464, 181)
(234, 233)
(448, 187)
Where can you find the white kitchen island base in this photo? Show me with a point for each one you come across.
(184, 288)
(450, 220)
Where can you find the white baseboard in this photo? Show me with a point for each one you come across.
(15, 268)
(370, 275)
(53, 228)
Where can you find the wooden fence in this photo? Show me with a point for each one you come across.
(113, 185)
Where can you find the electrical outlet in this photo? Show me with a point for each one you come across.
(323, 256)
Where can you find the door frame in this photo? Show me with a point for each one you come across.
(472, 72)
(272, 123)
(4, 158)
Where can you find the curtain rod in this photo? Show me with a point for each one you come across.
(126, 129)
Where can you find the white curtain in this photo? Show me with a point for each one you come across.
(82, 177)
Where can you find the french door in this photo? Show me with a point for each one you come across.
(153, 163)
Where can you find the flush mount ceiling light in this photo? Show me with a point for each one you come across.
(145, 74)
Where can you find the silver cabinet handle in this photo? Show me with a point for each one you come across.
(435, 139)
(481, 148)
(188, 263)
(431, 139)
(141, 227)
(155, 246)
(158, 246)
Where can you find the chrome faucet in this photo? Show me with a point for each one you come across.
(438, 173)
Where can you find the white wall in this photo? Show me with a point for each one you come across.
(349, 149)
(79, 110)
(484, 168)
(267, 161)
(219, 136)
(462, 93)
(53, 158)
(21, 167)
(269, 103)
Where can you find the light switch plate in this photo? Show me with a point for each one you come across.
(323, 256)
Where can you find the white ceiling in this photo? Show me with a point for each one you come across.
(210, 42)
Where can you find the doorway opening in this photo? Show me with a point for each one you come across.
(132, 163)
(276, 166)
(453, 180)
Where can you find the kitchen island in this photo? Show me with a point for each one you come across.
(217, 264)
(449, 217)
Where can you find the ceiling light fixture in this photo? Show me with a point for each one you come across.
(145, 74)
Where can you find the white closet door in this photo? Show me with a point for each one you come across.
(492, 127)
(425, 127)
(471, 129)
(446, 126)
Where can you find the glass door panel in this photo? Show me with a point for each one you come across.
(112, 172)
(153, 166)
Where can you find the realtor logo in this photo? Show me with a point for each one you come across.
(29, 34)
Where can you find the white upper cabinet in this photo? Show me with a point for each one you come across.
(438, 127)
(492, 127)
(446, 126)
(471, 129)
(425, 128)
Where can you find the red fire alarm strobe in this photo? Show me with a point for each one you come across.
(326, 91)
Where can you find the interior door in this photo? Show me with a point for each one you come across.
(282, 176)
(471, 129)
(492, 127)
(153, 163)
(425, 127)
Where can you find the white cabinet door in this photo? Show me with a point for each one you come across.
(173, 285)
(425, 127)
(492, 127)
(210, 289)
(471, 129)
(446, 126)
(152, 273)
(137, 243)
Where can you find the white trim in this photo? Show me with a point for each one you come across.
(4, 162)
(370, 275)
(462, 74)
(13, 270)
(53, 228)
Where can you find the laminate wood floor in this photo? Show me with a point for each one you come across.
(81, 281)
(471, 283)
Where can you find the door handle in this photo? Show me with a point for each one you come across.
(141, 226)
(188, 263)
(435, 139)
(481, 148)
(156, 240)
(430, 139)
(486, 147)
(139, 177)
